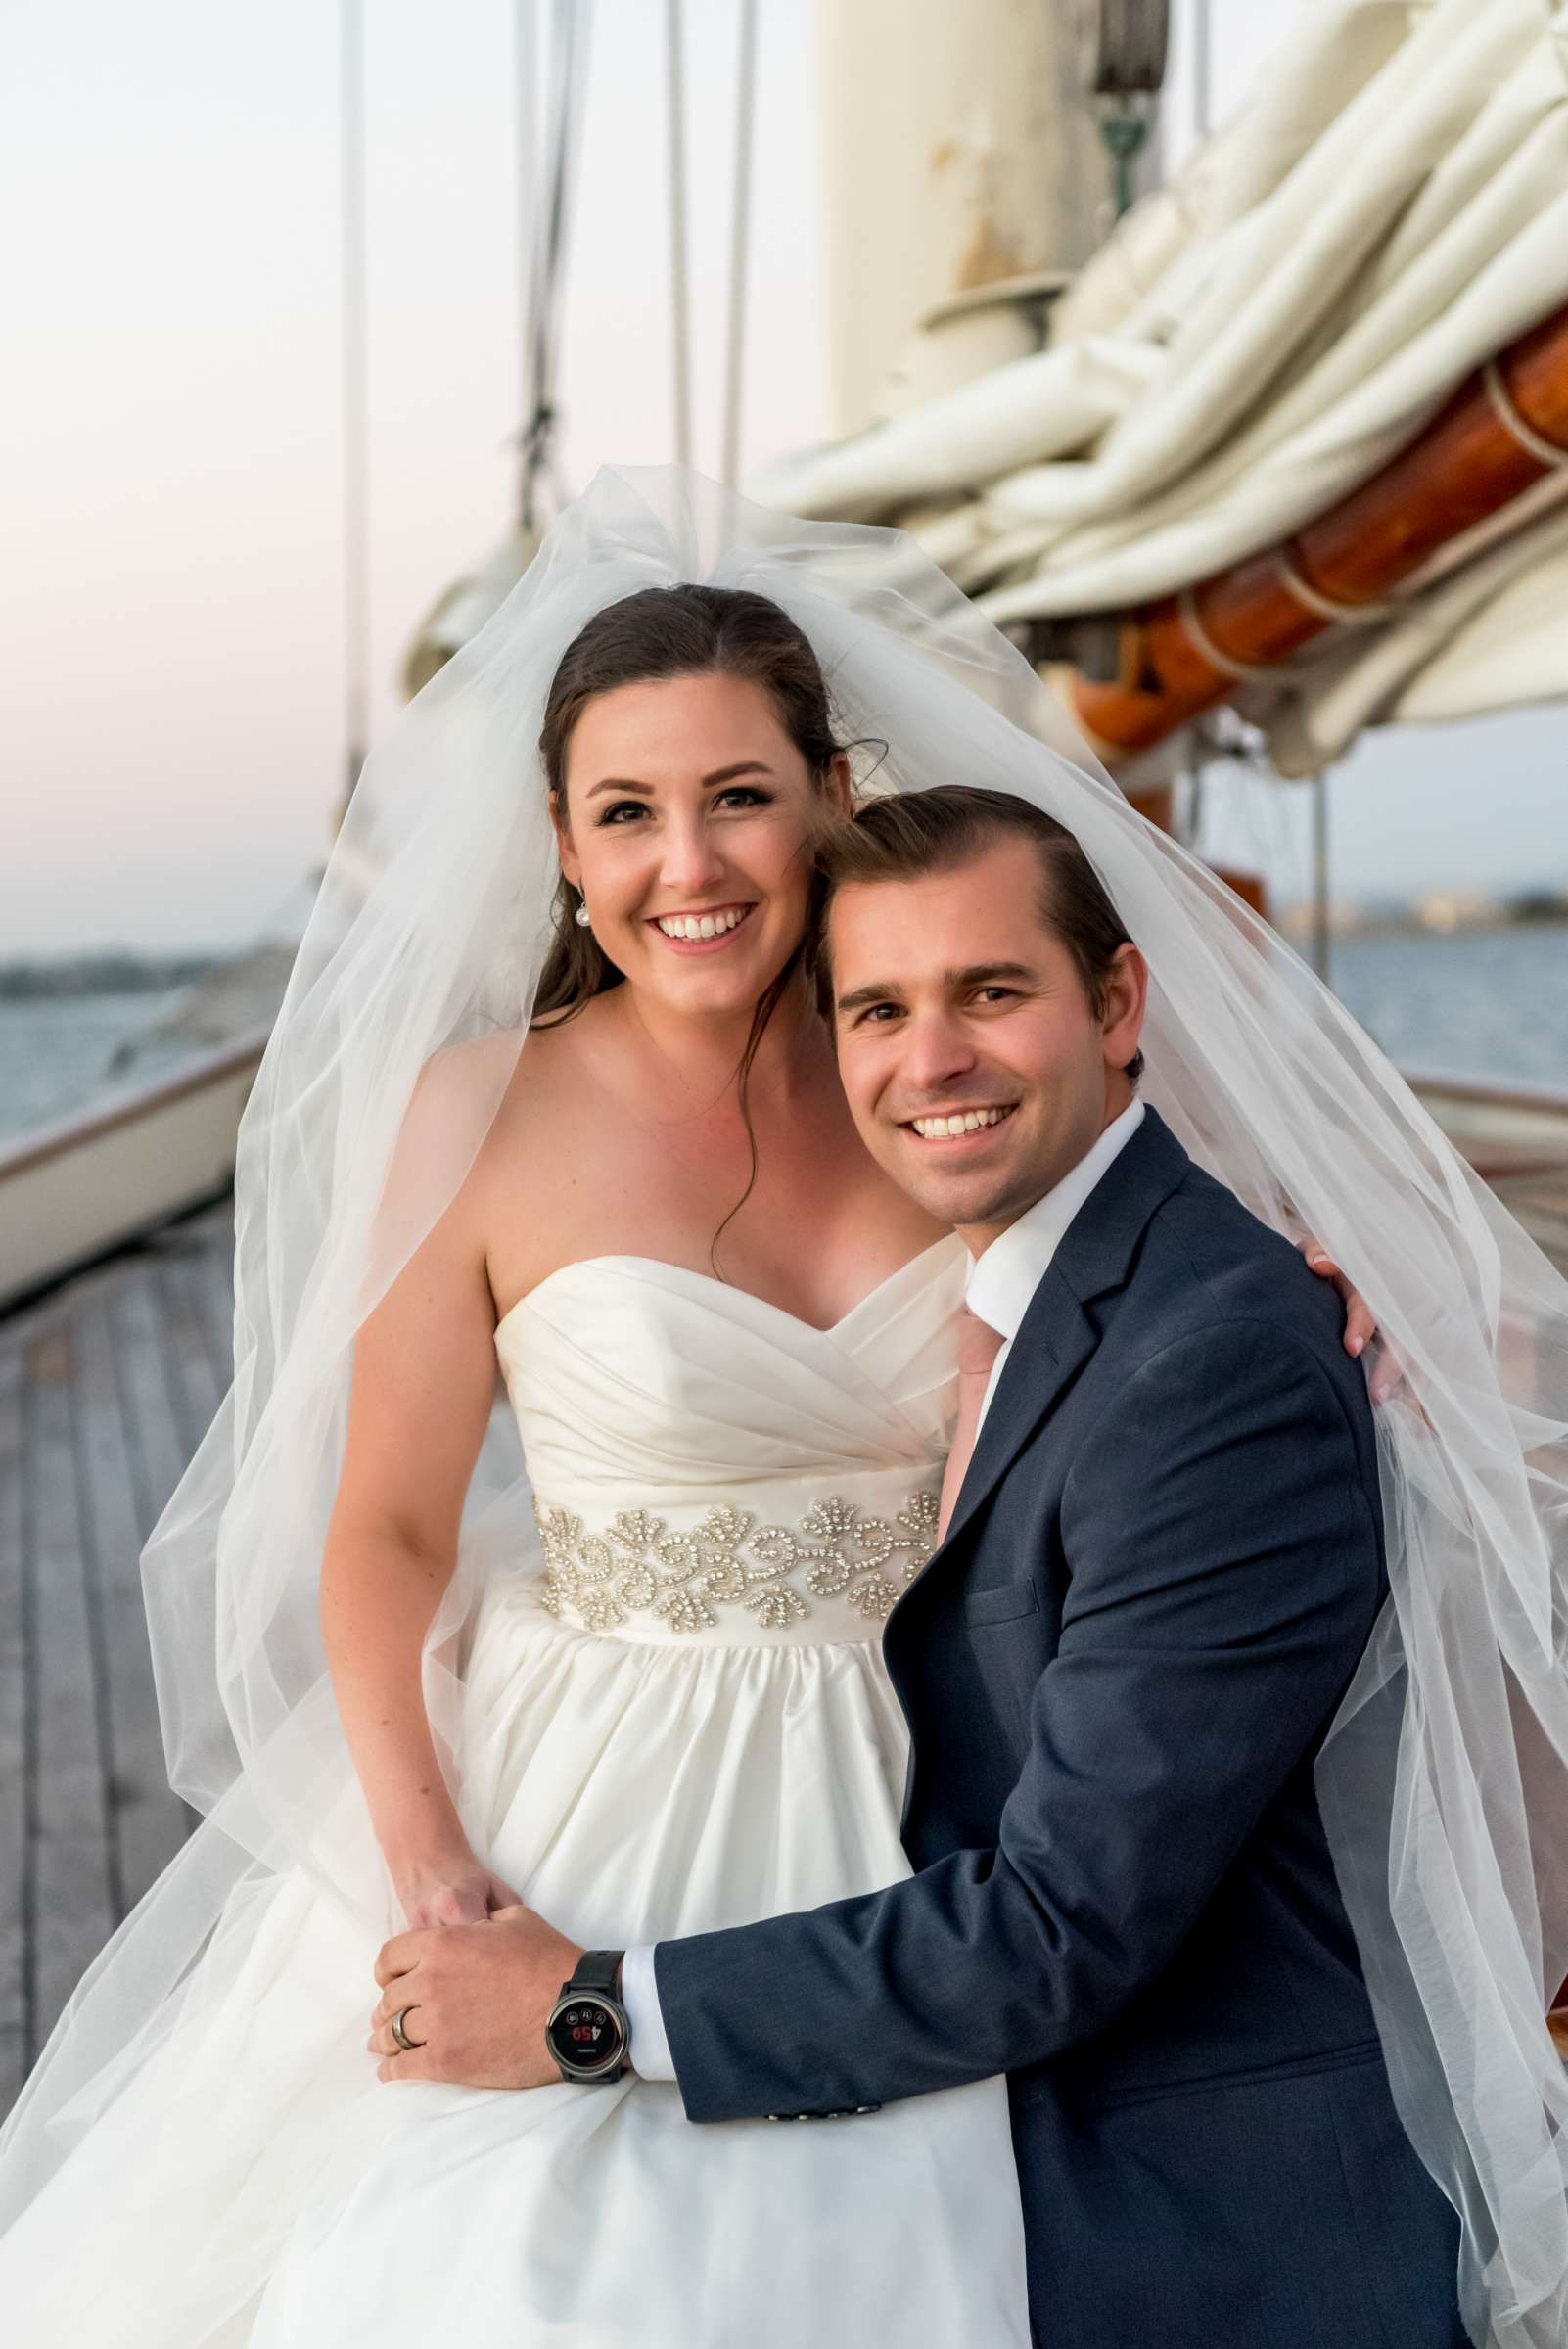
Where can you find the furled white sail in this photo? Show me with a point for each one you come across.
(1388, 214)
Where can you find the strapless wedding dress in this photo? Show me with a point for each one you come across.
(677, 1718)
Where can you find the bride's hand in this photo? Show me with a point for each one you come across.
(451, 1889)
(1383, 1375)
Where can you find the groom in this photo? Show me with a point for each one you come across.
(1162, 1568)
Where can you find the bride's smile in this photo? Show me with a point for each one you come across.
(700, 930)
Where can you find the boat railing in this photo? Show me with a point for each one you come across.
(132, 1159)
(1484, 1094)
(1505, 1130)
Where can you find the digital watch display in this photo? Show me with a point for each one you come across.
(587, 2029)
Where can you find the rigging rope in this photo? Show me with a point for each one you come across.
(740, 240)
(568, 52)
(679, 283)
(355, 322)
(526, 66)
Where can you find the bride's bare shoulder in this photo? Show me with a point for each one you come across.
(477, 1110)
(471, 1075)
(496, 1067)
(539, 1148)
(560, 1065)
(466, 1093)
(472, 1057)
(514, 1091)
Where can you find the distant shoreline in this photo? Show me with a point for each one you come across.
(114, 971)
(1492, 926)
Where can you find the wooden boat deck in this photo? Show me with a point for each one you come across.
(106, 1386)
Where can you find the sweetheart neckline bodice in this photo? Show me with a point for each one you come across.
(705, 1464)
(725, 1288)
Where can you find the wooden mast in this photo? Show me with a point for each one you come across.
(1504, 429)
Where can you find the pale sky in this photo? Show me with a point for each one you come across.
(171, 721)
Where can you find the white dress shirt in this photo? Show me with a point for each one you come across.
(998, 1287)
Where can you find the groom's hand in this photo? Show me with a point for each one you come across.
(478, 1997)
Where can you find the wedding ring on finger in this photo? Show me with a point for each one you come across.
(401, 2035)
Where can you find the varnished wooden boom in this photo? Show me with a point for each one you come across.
(1503, 430)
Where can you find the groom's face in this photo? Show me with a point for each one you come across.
(954, 997)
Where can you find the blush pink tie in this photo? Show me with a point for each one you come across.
(978, 1348)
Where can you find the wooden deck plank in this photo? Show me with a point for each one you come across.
(194, 1384)
(72, 1903)
(105, 1386)
(15, 2048)
(209, 1274)
(149, 1822)
(158, 1452)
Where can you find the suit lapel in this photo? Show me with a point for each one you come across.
(1056, 1336)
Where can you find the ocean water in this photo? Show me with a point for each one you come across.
(1488, 1004)
(54, 1051)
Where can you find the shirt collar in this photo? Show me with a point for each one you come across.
(1001, 1280)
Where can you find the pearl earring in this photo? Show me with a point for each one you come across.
(582, 917)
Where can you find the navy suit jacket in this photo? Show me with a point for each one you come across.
(1162, 1569)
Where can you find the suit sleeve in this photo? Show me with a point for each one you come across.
(1224, 1564)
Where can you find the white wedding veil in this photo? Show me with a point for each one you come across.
(1444, 1781)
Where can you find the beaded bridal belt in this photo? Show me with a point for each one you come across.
(837, 1571)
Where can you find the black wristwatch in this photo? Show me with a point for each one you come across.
(587, 2029)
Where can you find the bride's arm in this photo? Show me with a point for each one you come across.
(1383, 1373)
(424, 1380)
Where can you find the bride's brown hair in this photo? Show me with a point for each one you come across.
(687, 630)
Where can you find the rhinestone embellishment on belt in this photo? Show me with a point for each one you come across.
(639, 1566)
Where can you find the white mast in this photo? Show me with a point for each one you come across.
(958, 148)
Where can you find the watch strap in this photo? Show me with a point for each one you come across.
(598, 1970)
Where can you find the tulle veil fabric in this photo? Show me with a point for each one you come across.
(1444, 1781)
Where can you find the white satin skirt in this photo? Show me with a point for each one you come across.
(256, 2184)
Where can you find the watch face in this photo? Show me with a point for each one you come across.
(586, 2035)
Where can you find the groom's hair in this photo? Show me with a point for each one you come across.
(907, 835)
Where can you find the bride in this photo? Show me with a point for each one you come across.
(549, 1096)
